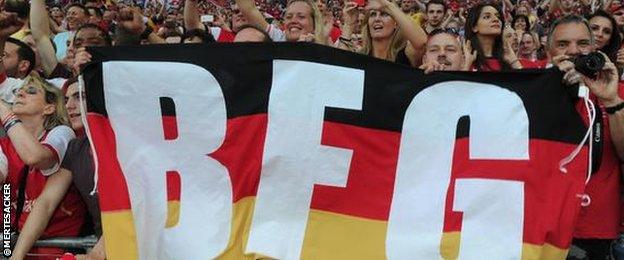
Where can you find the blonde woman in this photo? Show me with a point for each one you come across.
(302, 22)
(37, 137)
(387, 33)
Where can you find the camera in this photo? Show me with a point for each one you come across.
(589, 64)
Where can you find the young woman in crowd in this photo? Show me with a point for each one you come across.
(521, 24)
(302, 22)
(36, 126)
(484, 28)
(385, 32)
(606, 36)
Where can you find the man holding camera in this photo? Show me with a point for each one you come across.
(599, 219)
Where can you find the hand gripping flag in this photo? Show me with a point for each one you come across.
(292, 151)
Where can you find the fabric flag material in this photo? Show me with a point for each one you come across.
(292, 151)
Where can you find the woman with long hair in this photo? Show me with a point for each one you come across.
(37, 137)
(606, 36)
(387, 33)
(488, 51)
(303, 21)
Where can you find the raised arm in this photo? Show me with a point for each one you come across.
(55, 188)
(40, 27)
(252, 14)
(414, 34)
(191, 15)
(349, 17)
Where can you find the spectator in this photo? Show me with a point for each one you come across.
(569, 37)
(521, 24)
(303, 22)
(484, 33)
(383, 34)
(19, 58)
(435, 14)
(606, 37)
(443, 52)
(78, 163)
(528, 52)
(38, 138)
(77, 15)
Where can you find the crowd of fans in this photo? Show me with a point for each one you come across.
(46, 157)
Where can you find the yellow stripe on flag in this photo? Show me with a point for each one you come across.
(173, 213)
(119, 235)
(336, 236)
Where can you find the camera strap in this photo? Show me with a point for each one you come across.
(597, 139)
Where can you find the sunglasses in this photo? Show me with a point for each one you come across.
(30, 90)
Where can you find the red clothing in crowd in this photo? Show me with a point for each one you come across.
(601, 218)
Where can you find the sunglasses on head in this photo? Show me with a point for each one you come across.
(30, 90)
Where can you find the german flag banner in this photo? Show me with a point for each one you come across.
(292, 151)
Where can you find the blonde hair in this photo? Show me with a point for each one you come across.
(52, 96)
(396, 44)
(320, 36)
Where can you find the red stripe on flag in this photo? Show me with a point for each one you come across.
(241, 153)
(170, 127)
(112, 187)
(173, 186)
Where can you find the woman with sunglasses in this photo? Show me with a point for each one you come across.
(484, 35)
(37, 138)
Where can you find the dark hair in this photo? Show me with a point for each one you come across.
(24, 52)
(527, 26)
(105, 35)
(436, 2)
(568, 19)
(497, 51)
(267, 37)
(612, 47)
(20, 7)
(79, 5)
(98, 11)
(199, 33)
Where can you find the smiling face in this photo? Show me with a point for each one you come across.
(298, 20)
(76, 17)
(380, 24)
(489, 22)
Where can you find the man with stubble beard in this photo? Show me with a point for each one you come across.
(443, 52)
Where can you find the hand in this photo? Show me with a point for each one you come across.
(470, 55)
(605, 86)
(431, 66)
(309, 37)
(350, 13)
(565, 65)
(81, 58)
(620, 58)
(9, 24)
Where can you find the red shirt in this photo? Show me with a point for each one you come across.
(533, 64)
(69, 216)
(601, 219)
